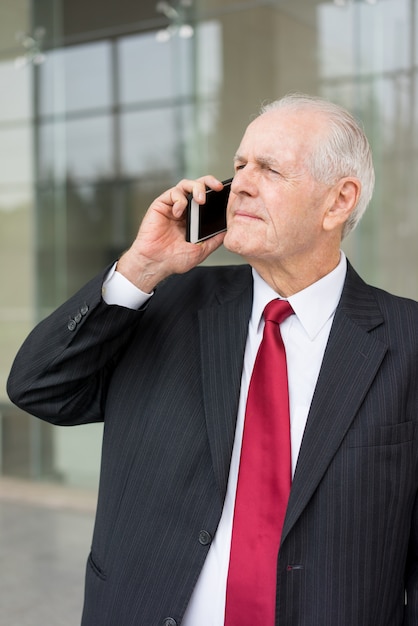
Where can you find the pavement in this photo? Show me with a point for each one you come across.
(45, 536)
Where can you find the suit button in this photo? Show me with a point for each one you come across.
(72, 325)
(169, 621)
(205, 538)
(77, 317)
(84, 309)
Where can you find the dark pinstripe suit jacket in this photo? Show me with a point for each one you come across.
(166, 381)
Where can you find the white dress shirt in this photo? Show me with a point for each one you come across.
(305, 336)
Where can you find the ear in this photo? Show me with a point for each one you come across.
(344, 197)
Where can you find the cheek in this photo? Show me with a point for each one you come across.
(296, 215)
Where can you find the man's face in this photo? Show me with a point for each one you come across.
(276, 207)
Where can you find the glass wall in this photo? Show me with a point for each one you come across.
(105, 105)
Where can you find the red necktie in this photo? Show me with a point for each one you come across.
(264, 481)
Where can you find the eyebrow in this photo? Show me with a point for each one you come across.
(265, 161)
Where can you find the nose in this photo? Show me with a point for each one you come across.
(244, 182)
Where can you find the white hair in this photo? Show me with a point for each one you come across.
(345, 151)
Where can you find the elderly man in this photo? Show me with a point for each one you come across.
(259, 456)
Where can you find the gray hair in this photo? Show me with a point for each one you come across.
(345, 151)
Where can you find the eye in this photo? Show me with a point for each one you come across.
(273, 171)
(269, 166)
(239, 166)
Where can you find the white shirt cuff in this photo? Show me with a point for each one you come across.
(119, 290)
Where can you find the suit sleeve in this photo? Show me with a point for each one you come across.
(60, 373)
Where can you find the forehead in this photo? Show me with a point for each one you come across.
(283, 133)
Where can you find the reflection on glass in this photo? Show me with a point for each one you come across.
(153, 70)
(16, 101)
(210, 59)
(75, 78)
(16, 154)
(119, 120)
(86, 144)
(149, 142)
(361, 39)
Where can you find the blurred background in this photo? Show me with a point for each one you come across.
(103, 105)
(106, 104)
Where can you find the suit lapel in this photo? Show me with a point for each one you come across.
(351, 361)
(223, 333)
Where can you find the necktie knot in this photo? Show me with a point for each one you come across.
(277, 311)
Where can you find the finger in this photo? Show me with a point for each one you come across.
(176, 197)
(179, 203)
(174, 200)
(202, 184)
(197, 188)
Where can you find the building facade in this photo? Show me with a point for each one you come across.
(105, 105)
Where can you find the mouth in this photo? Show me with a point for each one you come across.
(245, 215)
(246, 212)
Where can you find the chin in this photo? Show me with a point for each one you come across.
(236, 243)
(231, 241)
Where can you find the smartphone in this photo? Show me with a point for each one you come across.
(208, 219)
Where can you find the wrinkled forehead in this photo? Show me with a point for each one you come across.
(285, 134)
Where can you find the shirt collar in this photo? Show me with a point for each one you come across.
(313, 306)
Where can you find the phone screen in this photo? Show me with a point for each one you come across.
(208, 219)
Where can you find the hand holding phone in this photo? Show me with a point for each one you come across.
(208, 219)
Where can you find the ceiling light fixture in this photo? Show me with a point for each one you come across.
(178, 17)
(33, 48)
